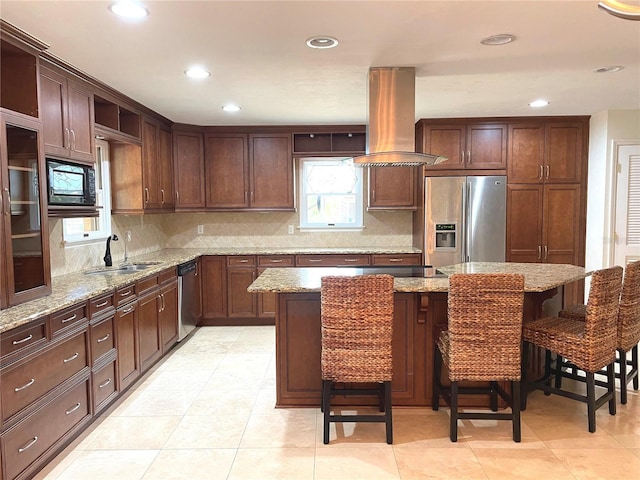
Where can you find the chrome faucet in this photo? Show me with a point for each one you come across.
(107, 253)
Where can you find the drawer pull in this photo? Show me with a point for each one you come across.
(395, 259)
(106, 337)
(127, 293)
(71, 358)
(72, 317)
(276, 261)
(25, 339)
(72, 409)
(28, 445)
(350, 260)
(128, 310)
(102, 304)
(26, 385)
(105, 383)
(243, 261)
(314, 260)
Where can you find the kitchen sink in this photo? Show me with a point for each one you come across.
(122, 269)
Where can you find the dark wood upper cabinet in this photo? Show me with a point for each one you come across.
(67, 115)
(226, 170)
(393, 188)
(188, 165)
(157, 164)
(271, 170)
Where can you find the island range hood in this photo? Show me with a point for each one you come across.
(391, 120)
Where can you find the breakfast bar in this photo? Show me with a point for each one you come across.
(420, 312)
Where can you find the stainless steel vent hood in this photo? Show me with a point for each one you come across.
(391, 120)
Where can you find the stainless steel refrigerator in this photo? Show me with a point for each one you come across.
(464, 219)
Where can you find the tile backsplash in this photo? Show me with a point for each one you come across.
(222, 229)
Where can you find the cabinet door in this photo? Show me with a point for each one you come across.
(524, 223)
(526, 153)
(486, 146)
(80, 111)
(561, 232)
(563, 152)
(241, 303)
(168, 316)
(188, 162)
(393, 188)
(148, 329)
(271, 185)
(127, 345)
(150, 166)
(448, 141)
(226, 171)
(53, 102)
(165, 168)
(214, 287)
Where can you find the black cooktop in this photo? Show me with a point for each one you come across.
(419, 271)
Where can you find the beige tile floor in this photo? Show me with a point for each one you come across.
(206, 411)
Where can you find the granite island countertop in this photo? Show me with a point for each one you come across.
(539, 277)
(70, 289)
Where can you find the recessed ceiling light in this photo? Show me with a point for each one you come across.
(609, 69)
(539, 103)
(128, 10)
(231, 108)
(322, 42)
(500, 39)
(197, 72)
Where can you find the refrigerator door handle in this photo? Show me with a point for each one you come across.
(464, 236)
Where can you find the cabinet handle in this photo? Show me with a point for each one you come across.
(126, 294)
(105, 383)
(68, 142)
(539, 252)
(245, 196)
(546, 252)
(350, 260)
(547, 172)
(162, 195)
(161, 298)
(146, 195)
(252, 197)
(128, 310)
(72, 409)
(72, 317)
(243, 261)
(275, 261)
(28, 445)
(540, 176)
(25, 339)
(26, 385)
(102, 304)
(469, 156)
(314, 260)
(177, 196)
(71, 358)
(73, 136)
(104, 339)
(7, 205)
(395, 260)
(197, 268)
(462, 154)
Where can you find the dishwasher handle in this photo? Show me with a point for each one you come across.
(185, 268)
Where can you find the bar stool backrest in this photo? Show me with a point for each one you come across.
(629, 313)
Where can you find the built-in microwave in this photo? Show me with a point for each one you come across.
(70, 183)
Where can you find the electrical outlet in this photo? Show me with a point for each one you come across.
(200, 229)
(128, 235)
(291, 230)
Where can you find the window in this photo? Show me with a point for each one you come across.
(330, 193)
(76, 230)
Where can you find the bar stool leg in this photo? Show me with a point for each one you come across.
(437, 372)
(634, 366)
(387, 412)
(326, 402)
(453, 421)
(523, 376)
(591, 401)
(611, 387)
(515, 411)
(623, 376)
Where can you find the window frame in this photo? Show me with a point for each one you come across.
(305, 225)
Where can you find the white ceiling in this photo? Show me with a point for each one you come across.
(257, 55)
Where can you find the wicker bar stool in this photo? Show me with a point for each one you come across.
(482, 343)
(590, 345)
(628, 334)
(357, 331)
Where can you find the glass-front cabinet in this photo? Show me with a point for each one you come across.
(24, 262)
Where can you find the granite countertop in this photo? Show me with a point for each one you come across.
(67, 290)
(539, 277)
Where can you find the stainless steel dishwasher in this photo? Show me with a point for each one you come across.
(188, 298)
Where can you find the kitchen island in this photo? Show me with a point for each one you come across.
(420, 312)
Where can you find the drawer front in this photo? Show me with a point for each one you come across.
(125, 294)
(147, 284)
(100, 304)
(400, 259)
(31, 438)
(331, 260)
(276, 261)
(104, 384)
(101, 338)
(167, 275)
(68, 317)
(241, 261)
(22, 337)
(26, 381)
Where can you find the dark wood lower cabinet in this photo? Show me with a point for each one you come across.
(148, 328)
(127, 344)
(168, 315)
